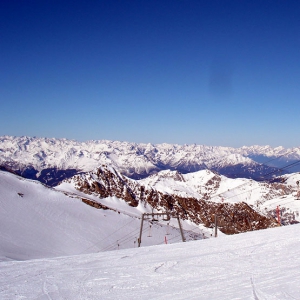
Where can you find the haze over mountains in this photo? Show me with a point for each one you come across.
(182, 179)
(101, 210)
(121, 219)
(51, 160)
(91, 198)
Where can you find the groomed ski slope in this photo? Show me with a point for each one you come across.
(38, 222)
(255, 265)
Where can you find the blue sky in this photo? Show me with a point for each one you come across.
(221, 73)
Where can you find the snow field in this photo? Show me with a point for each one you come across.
(256, 265)
(38, 222)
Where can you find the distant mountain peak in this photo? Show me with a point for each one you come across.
(51, 160)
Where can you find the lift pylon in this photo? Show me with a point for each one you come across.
(167, 217)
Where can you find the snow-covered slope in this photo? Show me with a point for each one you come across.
(262, 196)
(38, 222)
(52, 160)
(193, 196)
(256, 265)
(201, 184)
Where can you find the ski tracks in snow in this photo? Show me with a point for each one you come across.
(51, 288)
(259, 295)
(165, 265)
(83, 293)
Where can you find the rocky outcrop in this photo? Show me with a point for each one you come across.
(94, 204)
(232, 218)
(106, 182)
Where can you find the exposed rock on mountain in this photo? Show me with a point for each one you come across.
(52, 160)
(190, 199)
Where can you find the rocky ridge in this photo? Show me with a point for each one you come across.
(196, 205)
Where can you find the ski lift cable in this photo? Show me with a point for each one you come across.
(110, 246)
(133, 237)
(132, 233)
(179, 235)
(107, 236)
(280, 156)
(239, 186)
(174, 237)
(279, 201)
(122, 241)
(285, 167)
(130, 236)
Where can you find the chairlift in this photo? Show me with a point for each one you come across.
(147, 217)
(154, 219)
(150, 235)
(166, 218)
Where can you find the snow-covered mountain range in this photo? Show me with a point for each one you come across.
(122, 180)
(101, 210)
(51, 160)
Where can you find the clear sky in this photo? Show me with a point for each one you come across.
(223, 73)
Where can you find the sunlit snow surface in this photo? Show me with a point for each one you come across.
(41, 153)
(257, 265)
(38, 222)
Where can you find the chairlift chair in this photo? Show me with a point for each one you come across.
(166, 218)
(153, 218)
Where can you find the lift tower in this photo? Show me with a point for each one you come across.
(153, 215)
